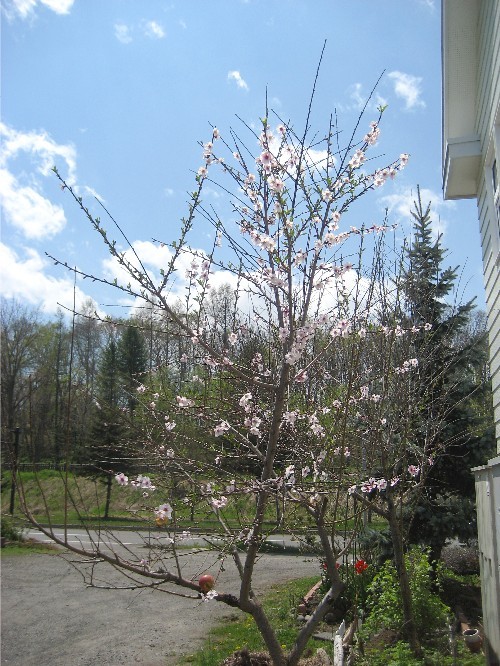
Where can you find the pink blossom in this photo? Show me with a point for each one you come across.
(276, 184)
(254, 424)
(210, 595)
(141, 389)
(245, 400)
(413, 470)
(121, 479)
(164, 511)
(357, 159)
(221, 428)
(143, 482)
(184, 402)
(290, 417)
(219, 503)
(373, 135)
(232, 338)
(301, 376)
(266, 159)
(289, 476)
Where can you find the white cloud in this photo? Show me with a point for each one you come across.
(153, 256)
(408, 87)
(29, 211)
(23, 202)
(40, 146)
(59, 6)
(168, 191)
(401, 205)
(234, 75)
(153, 30)
(25, 9)
(430, 4)
(123, 33)
(93, 193)
(359, 97)
(25, 279)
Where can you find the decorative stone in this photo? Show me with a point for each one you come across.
(322, 657)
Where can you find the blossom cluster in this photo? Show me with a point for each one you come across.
(382, 484)
(143, 482)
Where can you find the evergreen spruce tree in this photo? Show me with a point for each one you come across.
(132, 363)
(108, 451)
(450, 386)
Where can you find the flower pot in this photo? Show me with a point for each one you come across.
(473, 640)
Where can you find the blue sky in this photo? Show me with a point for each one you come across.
(118, 93)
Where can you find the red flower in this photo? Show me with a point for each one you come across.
(360, 566)
(324, 566)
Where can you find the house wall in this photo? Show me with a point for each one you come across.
(471, 144)
(487, 504)
(488, 478)
(488, 128)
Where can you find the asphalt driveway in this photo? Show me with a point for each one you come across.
(49, 617)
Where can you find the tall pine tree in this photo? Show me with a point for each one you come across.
(461, 434)
(132, 363)
(108, 450)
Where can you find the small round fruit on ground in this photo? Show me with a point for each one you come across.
(206, 583)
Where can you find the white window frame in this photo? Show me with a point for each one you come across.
(492, 178)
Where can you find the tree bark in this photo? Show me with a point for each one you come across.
(409, 627)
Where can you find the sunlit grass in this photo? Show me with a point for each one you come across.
(239, 631)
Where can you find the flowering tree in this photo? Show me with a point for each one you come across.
(301, 395)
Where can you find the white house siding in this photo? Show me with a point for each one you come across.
(487, 110)
(471, 142)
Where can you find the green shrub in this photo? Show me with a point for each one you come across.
(384, 598)
(9, 531)
(401, 655)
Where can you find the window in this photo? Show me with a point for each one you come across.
(492, 181)
(496, 191)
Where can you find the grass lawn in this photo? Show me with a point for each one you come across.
(240, 631)
(46, 495)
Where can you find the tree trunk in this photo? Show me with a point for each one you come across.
(409, 628)
(109, 485)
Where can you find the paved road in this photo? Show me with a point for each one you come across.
(50, 617)
(80, 537)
